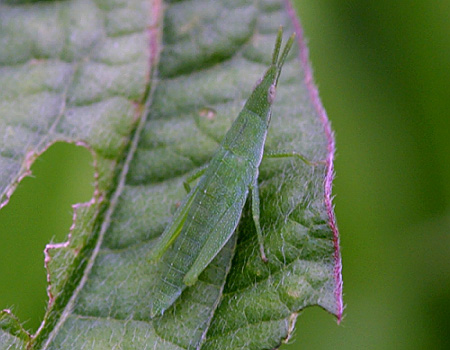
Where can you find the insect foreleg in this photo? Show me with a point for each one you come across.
(292, 154)
(194, 177)
(254, 189)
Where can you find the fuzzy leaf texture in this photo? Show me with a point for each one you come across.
(150, 89)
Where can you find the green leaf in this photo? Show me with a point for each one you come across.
(151, 103)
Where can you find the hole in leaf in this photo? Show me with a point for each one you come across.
(40, 211)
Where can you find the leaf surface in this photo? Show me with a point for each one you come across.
(84, 72)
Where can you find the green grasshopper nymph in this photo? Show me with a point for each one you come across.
(210, 213)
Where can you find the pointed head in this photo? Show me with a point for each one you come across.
(264, 93)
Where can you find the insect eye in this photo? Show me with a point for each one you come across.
(272, 93)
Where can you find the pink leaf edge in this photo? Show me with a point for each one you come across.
(328, 182)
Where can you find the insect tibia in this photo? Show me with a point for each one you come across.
(294, 154)
(254, 190)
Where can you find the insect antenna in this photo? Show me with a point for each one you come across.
(286, 50)
(276, 50)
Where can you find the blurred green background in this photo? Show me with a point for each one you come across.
(383, 70)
